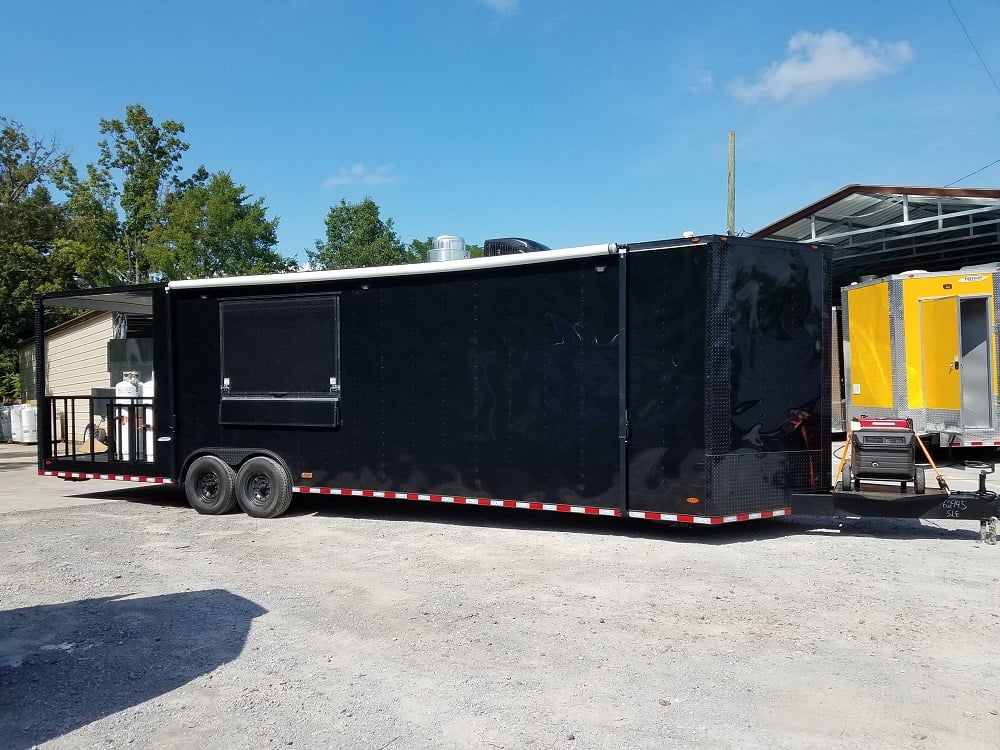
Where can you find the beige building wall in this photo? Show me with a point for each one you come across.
(76, 356)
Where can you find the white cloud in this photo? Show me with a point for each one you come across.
(818, 63)
(503, 7)
(359, 174)
(701, 82)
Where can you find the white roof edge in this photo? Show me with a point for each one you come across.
(410, 269)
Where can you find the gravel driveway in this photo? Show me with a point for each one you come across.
(129, 620)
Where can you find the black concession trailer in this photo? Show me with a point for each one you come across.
(685, 380)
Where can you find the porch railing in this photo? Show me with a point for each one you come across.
(92, 429)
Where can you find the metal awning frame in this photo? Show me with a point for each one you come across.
(938, 218)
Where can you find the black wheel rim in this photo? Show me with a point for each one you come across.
(208, 485)
(258, 488)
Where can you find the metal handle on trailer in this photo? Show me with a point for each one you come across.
(843, 460)
(937, 474)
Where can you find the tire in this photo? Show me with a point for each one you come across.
(845, 478)
(263, 488)
(209, 486)
(919, 481)
(100, 435)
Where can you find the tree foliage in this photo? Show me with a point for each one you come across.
(131, 217)
(148, 156)
(92, 235)
(25, 161)
(134, 217)
(357, 237)
(31, 225)
(213, 228)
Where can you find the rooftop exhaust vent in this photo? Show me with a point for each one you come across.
(448, 247)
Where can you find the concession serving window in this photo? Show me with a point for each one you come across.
(280, 359)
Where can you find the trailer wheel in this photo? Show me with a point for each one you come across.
(209, 486)
(263, 488)
(919, 481)
(845, 479)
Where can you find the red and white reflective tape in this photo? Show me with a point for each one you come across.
(557, 507)
(957, 443)
(456, 500)
(708, 520)
(114, 477)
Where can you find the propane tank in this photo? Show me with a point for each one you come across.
(146, 390)
(29, 423)
(126, 392)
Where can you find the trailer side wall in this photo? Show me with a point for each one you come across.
(499, 384)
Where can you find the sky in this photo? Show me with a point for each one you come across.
(562, 121)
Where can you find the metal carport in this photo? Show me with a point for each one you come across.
(879, 229)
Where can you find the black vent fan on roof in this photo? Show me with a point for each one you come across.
(512, 246)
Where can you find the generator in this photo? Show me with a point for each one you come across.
(883, 450)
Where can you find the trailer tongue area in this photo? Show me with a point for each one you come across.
(879, 476)
(881, 501)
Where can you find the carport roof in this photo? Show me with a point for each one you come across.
(879, 229)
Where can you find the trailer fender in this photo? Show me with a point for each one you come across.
(235, 457)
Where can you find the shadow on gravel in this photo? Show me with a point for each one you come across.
(333, 506)
(731, 533)
(884, 528)
(165, 495)
(63, 666)
(16, 464)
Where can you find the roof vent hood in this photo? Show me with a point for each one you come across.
(448, 247)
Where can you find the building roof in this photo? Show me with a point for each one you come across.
(879, 229)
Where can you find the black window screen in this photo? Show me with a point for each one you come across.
(281, 347)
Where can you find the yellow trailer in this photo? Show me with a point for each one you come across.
(923, 346)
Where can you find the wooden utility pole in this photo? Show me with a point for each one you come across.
(731, 202)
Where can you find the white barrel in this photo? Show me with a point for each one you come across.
(16, 430)
(29, 423)
(5, 436)
(126, 392)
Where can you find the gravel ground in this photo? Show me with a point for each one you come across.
(349, 623)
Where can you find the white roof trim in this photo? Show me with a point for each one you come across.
(410, 269)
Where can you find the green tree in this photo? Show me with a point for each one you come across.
(91, 239)
(133, 217)
(30, 227)
(148, 156)
(356, 237)
(213, 228)
(25, 161)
